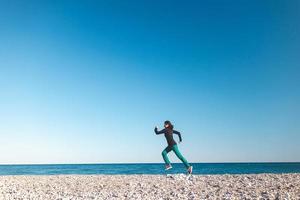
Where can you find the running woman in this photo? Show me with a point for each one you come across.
(172, 146)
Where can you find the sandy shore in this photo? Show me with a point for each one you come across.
(261, 186)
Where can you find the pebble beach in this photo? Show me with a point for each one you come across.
(179, 186)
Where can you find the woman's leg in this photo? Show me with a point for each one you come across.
(179, 155)
(165, 156)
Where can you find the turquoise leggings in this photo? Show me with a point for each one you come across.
(178, 154)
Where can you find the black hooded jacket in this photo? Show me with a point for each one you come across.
(169, 135)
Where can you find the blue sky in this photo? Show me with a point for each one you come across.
(87, 81)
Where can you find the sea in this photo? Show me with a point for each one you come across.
(150, 168)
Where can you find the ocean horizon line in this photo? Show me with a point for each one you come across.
(135, 163)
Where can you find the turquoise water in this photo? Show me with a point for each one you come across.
(151, 168)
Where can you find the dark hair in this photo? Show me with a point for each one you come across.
(170, 124)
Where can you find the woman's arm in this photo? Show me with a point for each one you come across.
(179, 135)
(159, 132)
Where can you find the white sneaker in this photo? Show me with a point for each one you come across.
(168, 167)
(190, 170)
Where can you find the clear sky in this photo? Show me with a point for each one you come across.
(87, 81)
